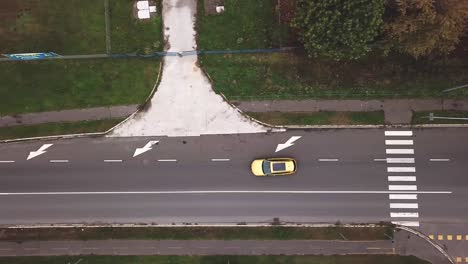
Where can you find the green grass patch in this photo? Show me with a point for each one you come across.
(423, 117)
(245, 24)
(64, 27)
(131, 35)
(56, 85)
(52, 129)
(294, 76)
(361, 259)
(320, 118)
(193, 232)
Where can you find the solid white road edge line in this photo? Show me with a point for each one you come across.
(403, 196)
(402, 178)
(399, 133)
(399, 142)
(401, 169)
(404, 214)
(220, 159)
(230, 192)
(400, 160)
(402, 187)
(7, 161)
(439, 159)
(406, 223)
(400, 151)
(112, 160)
(404, 205)
(328, 159)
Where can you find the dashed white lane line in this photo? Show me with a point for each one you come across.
(404, 214)
(6, 249)
(403, 196)
(328, 160)
(7, 161)
(58, 161)
(380, 159)
(439, 160)
(167, 160)
(404, 206)
(402, 178)
(113, 161)
(401, 169)
(220, 159)
(399, 133)
(399, 142)
(402, 187)
(406, 223)
(400, 160)
(400, 151)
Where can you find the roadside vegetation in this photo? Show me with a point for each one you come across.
(194, 232)
(423, 117)
(320, 118)
(52, 129)
(56, 85)
(361, 259)
(390, 64)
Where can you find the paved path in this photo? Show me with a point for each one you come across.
(72, 115)
(397, 111)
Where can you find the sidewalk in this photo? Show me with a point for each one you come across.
(404, 244)
(397, 111)
(72, 115)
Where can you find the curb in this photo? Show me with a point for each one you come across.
(421, 235)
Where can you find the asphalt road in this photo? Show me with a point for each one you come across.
(338, 179)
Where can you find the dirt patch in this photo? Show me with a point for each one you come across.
(210, 6)
(287, 9)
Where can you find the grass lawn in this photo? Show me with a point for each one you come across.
(193, 232)
(57, 85)
(361, 259)
(423, 117)
(51, 129)
(294, 76)
(131, 35)
(320, 118)
(245, 24)
(64, 27)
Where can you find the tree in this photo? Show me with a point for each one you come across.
(425, 27)
(338, 29)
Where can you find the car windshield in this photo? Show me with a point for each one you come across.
(279, 166)
(266, 167)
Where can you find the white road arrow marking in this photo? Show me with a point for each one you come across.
(288, 143)
(38, 152)
(147, 147)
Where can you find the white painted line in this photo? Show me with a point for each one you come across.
(220, 159)
(400, 151)
(403, 196)
(229, 192)
(58, 161)
(90, 248)
(400, 160)
(112, 160)
(404, 214)
(399, 133)
(401, 169)
(398, 142)
(402, 178)
(380, 159)
(406, 223)
(439, 159)
(328, 160)
(31, 248)
(404, 205)
(7, 161)
(402, 187)
(167, 160)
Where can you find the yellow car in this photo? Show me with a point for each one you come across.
(273, 166)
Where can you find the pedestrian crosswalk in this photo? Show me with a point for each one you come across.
(402, 178)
